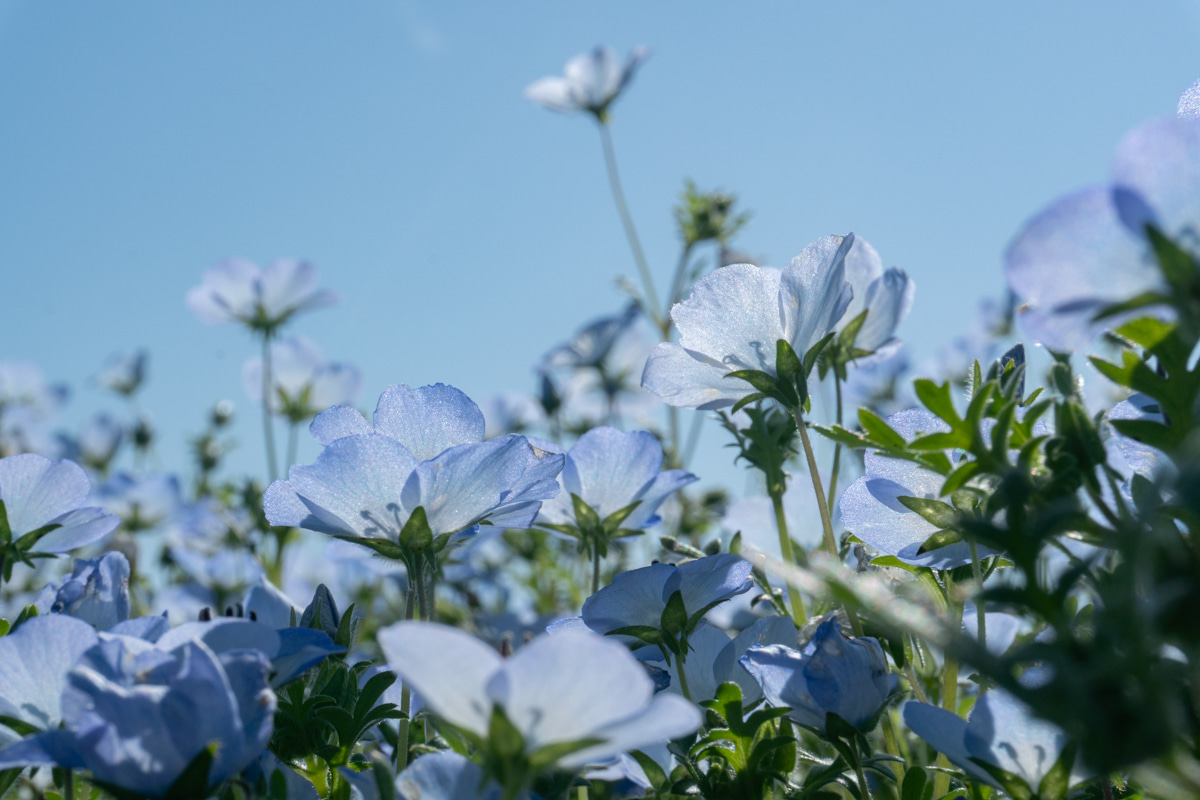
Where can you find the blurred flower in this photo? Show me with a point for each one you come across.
(445, 775)
(141, 501)
(511, 412)
(46, 496)
(291, 651)
(1089, 250)
(713, 658)
(590, 82)
(734, 317)
(833, 674)
(592, 344)
(97, 592)
(261, 299)
(886, 296)
(34, 662)
(609, 470)
(124, 372)
(120, 701)
(22, 384)
(305, 384)
(99, 441)
(555, 690)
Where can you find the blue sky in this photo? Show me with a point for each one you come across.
(469, 231)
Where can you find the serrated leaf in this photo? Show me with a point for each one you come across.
(879, 431)
(937, 399)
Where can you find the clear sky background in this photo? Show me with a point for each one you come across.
(467, 230)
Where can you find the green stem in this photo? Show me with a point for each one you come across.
(823, 507)
(69, 785)
(268, 423)
(693, 438)
(405, 696)
(837, 448)
(862, 778)
(785, 549)
(595, 569)
(422, 600)
(614, 182)
(892, 745)
(949, 687)
(293, 441)
(980, 616)
(680, 662)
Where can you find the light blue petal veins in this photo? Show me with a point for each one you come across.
(888, 300)
(779, 671)
(733, 317)
(667, 717)
(288, 285)
(814, 293)
(706, 644)
(97, 591)
(1158, 164)
(34, 662)
(444, 775)
(863, 267)
(469, 483)
(225, 293)
(563, 688)
(449, 669)
(36, 490)
(848, 677)
(353, 488)
(149, 629)
(1003, 731)
(1069, 261)
(946, 733)
(635, 597)
(336, 423)
(300, 649)
(764, 631)
(1189, 102)
(708, 580)
(690, 379)
(666, 483)
(429, 420)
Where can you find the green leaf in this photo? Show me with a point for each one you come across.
(747, 400)
(612, 523)
(674, 618)
(504, 740)
(1016, 787)
(1147, 332)
(1057, 781)
(760, 380)
(942, 538)
(957, 479)
(643, 633)
(838, 728)
(385, 779)
(384, 547)
(416, 536)
(842, 436)
(551, 753)
(849, 334)
(5, 530)
(942, 441)
(1177, 265)
(913, 787)
(814, 352)
(654, 773)
(788, 365)
(937, 399)
(192, 783)
(1139, 301)
(880, 432)
(934, 512)
(27, 541)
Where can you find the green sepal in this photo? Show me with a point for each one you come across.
(1013, 785)
(760, 380)
(1057, 781)
(788, 365)
(384, 547)
(942, 538)
(747, 400)
(416, 537)
(934, 512)
(612, 523)
(504, 740)
(27, 541)
(5, 530)
(674, 619)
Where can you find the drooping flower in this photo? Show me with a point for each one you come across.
(590, 82)
(425, 451)
(1002, 731)
(124, 372)
(570, 687)
(736, 314)
(45, 498)
(237, 290)
(97, 592)
(833, 674)
(872, 510)
(886, 296)
(136, 717)
(610, 470)
(1090, 250)
(304, 383)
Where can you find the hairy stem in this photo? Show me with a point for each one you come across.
(614, 182)
(405, 695)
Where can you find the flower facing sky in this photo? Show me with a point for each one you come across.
(590, 82)
(736, 314)
(237, 290)
(886, 296)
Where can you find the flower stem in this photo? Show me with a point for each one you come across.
(595, 569)
(837, 448)
(823, 507)
(949, 688)
(614, 182)
(68, 785)
(680, 662)
(268, 423)
(293, 441)
(862, 779)
(405, 697)
(785, 549)
(979, 609)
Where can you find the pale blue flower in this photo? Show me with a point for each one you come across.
(511, 412)
(1189, 102)
(43, 495)
(871, 510)
(96, 592)
(262, 299)
(304, 383)
(1089, 249)
(99, 441)
(553, 690)
(136, 715)
(1001, 731)
(124, 372)
(590, 82)
(592, 344)
(291, 651)
(23, 384)
(140, 501)
(886, 296)
(609, 470)
(833, 674)
(446, 776)
(736, 314)
(428, 421)
(34, 662)
(713, 658)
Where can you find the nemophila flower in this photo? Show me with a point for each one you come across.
(1002, 732)
(34, 662)
(292, 651)
(591, 346)
(754, 519)
(511, 412)
(97, 592)
(42, 511)
(833, 674)
(23, 384)
(611, 485)
(261, 299)
(736, 315)
(590, 82)
(124, 372)
(304, 383)
(713, 658)
(1127, 455)
(136, 717)
(423, 452)
(445, 775)
(1189, 102)
(874, 507)
(1090, 250)
(528, 710)
(886, 296)
(140, 501)
(99, 440)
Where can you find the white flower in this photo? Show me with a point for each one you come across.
(590, 82)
